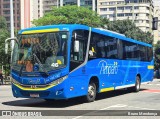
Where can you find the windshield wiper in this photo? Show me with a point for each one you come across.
(40, 64)
(20, 72)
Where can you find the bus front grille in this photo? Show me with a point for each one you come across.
(40, 93)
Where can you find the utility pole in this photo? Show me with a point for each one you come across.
(61, 3)
(12, 23)
(78, 3)
(93, 5)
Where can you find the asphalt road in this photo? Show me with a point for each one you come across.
(147, 99)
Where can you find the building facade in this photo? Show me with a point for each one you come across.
(157, 14)
(34, 9)
(30, 10)
(139, 11)
(5, 12)
(48, 4)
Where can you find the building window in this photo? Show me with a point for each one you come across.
(112, 9)
(103, 9)
(6, 6)
(111, 15)
(128, 14)
(136, 7)
(128, 7)
(120, 8)
(6, 12)
(120, 15)
(104, 3)
(112, 3)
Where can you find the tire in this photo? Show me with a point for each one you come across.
(137, 84)
(91, 95)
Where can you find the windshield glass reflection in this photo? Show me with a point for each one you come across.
(41, 52)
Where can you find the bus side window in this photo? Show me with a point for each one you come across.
(77, 58)
(120, 49)
(93, 48)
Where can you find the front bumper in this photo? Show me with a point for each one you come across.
(48, 92)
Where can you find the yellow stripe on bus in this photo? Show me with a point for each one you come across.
(107, 89)
(33, 89)
(150, 67)
(41, 31)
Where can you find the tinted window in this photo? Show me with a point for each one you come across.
(143, 53)
(150, 53)
(130, 51)
(102, 46)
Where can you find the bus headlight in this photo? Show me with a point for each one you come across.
(14, 81)
(58, 81)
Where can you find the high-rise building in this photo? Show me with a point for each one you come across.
(5, 12)
(139, 11)
(88, 3)
(157, 16)
(30, 10)
(48, 4)
(34, 9)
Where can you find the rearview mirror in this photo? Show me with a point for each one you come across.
(76, 46)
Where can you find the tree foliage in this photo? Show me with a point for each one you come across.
(128, 28)
(3, 35)
(72, 15)
(157, 56)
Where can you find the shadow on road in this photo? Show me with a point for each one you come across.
(63, 103)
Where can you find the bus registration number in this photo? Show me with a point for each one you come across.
(34, 95)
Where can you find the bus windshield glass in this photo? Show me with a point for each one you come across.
(41, 52)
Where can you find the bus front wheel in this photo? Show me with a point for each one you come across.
(91, 95)
(137, 84)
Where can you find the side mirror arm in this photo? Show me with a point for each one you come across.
(6, 43)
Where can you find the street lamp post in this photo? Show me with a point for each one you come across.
(12, 26)
(12, 23)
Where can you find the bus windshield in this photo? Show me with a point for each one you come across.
(41, 52)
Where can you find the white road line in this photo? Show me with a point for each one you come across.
(118, 105)
(141, 108)
(150, 92)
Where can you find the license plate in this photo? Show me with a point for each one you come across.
(34, 95)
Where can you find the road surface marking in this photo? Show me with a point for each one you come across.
(118, 105)
(141, 108)
(152, 91)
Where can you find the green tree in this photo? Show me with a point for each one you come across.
(157, 56)
(72, 15)
(3, 35)
(128, 28)
(3, 24)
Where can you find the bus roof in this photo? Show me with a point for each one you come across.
(67, 27)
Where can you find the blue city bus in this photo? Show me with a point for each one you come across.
(71, 60)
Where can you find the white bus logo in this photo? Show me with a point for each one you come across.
(108, 69)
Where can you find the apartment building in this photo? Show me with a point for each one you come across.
(157, 15)
(91, 3)
(139, 11)
(34, 9)
(48, 4)
(30, 10)
(5, 12)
